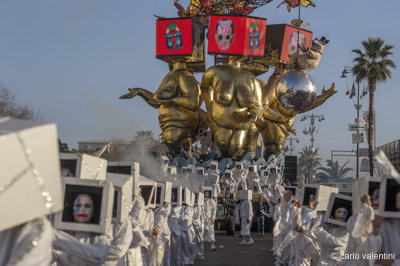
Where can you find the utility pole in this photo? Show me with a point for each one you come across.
(312, 133)
(358, 106)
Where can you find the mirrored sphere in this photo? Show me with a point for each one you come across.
(296, 90)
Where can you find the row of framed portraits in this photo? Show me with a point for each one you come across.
(385, 198)
(92, 205)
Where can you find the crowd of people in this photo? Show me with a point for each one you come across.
(179, 229)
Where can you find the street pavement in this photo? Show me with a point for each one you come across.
(233, 254)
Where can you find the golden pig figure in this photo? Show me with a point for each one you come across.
(178, 100)
(278, 121)
(233, 101)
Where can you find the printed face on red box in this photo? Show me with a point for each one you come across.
(224, 34)
(294, 38)
(236, 35)
(174, 37)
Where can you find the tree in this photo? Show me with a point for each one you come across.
(10, 107)
(308, 159)
(144, 140)
(372, 65)
(62, 146)
(333, 170)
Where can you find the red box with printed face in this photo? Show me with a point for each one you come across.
(181, 37)
(174, 37)
(236, 35)
(284, 38)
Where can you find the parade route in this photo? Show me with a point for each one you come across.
(239, 255)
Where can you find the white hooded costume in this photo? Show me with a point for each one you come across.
(160, 244)
(27, 244)
(246, 216)
(139, 240)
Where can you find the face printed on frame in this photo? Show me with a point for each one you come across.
(224, 34)
(254, 37)
(83, 208)
(375, 199)
(173, 38)
(296, 38)
(341, 214)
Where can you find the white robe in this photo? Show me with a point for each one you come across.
(390, 233)
(27, 244)
(246, 215)
(210, 213)
(333, 240)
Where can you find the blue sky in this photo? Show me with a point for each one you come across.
(73, 59)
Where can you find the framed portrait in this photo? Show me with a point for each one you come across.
(163, 194)
(176, 195)
(88, 205)
(200, 171)
(318, 192)
(207, 192)
(340, 209)
(366, 185)
(82, 166)
(389, 198)
(148, 190)
(123, 191)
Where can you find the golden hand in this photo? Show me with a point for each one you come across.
(328, 93)
(132, 93)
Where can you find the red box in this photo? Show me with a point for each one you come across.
(236, 35)
(282, 37)
(181, 37)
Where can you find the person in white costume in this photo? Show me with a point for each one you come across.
(210, 213)
(139, 240)
(198, 226)
(246, 216)
(160, 240)
(173, 221)
(185, 223)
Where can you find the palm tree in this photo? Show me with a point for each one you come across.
(372, 65)
(144, 140)
(334, 170)
(308, 159)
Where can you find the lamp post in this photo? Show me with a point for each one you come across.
(357, 105)
(291, 144)
(311, 131)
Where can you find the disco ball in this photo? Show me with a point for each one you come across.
(296, 91)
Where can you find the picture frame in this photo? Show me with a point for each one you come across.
(321, 193)
(200, 171)
(163, 194)
(214, 165)
(199, 199)
(208, 192)
(125, 168)
(102, 194)
(83, 166)
(123, 195)
(389, 198)
(186, 196)
(337, 201)
(148, 190)
(366, 185)
(18, 180)
(176, 195)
